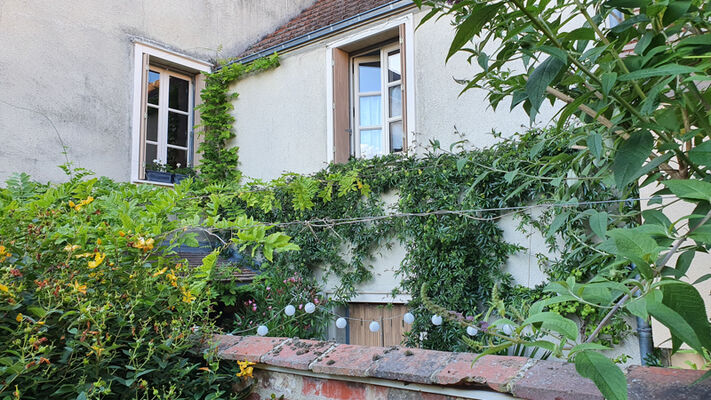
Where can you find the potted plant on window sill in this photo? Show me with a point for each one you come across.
(182, 173)
(158, 172)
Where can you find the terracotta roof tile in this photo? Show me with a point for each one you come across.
(321, 14)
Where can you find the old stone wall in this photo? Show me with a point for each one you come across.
(307, 369)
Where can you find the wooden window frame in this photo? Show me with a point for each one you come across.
(339, 139)
(385, 85)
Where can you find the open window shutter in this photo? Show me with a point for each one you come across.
(144, 99)
(197, 130)
(341, 107)
(403, 66)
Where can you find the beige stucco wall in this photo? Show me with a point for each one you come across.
(71, 63)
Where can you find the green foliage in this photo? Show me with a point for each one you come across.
(650, 105)
(94, 302)
(460, 255)
(219, 161)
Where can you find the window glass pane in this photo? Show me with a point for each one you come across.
(369, 77)
(177, 156)
(394, 70)
(371, 143)
(178, 94)
(151, 153)
(370, 110)
(395, 99)
(395, 136)
(152, 124)
(153, 87)
(177, 129)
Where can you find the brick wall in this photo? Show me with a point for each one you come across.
(307, 369)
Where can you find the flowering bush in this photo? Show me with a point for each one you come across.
(94, 302)
(263, 301)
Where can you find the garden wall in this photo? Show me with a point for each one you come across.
(307, 369)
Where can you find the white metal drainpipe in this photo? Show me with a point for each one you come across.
(416, 387)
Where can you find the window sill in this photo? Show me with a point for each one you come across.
(146, 182)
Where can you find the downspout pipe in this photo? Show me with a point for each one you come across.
(644, 336)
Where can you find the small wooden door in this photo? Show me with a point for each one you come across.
(392, 327)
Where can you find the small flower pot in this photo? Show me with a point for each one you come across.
(159, 176)
(177, 178)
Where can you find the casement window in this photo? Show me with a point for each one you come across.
(371, 103)
(166, 90)
(169, 118)
(377, 102)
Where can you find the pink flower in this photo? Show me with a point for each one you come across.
(300, 306)
(316, 301)
(269, 308)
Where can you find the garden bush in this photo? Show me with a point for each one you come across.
(94, 302)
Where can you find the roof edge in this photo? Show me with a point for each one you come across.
(380, 11)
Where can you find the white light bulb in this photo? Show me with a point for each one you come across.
(437, 320)
(309, 308)
(341, 323)
(374, 326)
(289, 310)
(471, 331)
(408, 318)
(262, 330)
(507, 329)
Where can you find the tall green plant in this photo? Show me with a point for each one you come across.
(638, 91)
(219, 161)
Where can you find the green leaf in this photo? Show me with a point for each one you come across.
(606, 375)
(701, 154)
(608, 81)
(689, 189)
(664, 70)
(541, 78)
(598, 224)
(656, 217)
(460, 164)
(638, 308)
(472, 26)
(38, 312)
(554, 322)
(594, 142)
(675, 322)
(684, 262)
(538, 306)
(635, 246)
(674, 11)
(630, 157)
(557, 223)
(687, 302)
(587, 346)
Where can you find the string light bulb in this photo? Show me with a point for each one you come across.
(374, 326)
(262, 330)
(341, 323)
(408, 318)
(289, 310)
(471, 331)
(437, 320)
(310, 307)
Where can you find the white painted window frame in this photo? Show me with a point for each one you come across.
(160, 54)
(408, 21)
(384, 94)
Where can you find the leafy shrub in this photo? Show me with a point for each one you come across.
(95, 303)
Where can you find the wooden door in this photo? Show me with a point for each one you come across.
(392, 327)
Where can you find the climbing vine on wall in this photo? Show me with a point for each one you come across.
(219, 160)
(461, 256)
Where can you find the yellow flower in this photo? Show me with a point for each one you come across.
(19, 317)
(98, 259)
(79, 288)
(144, 244)
(84, 255)
(161, 272)
(71, 247)
(98, 241)
(4, 288)
(188, 297)
(71, 204)
(122, 233)
(4, 254)
(81, 204)
(172, 278)
(245, 369)
(97, 349)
